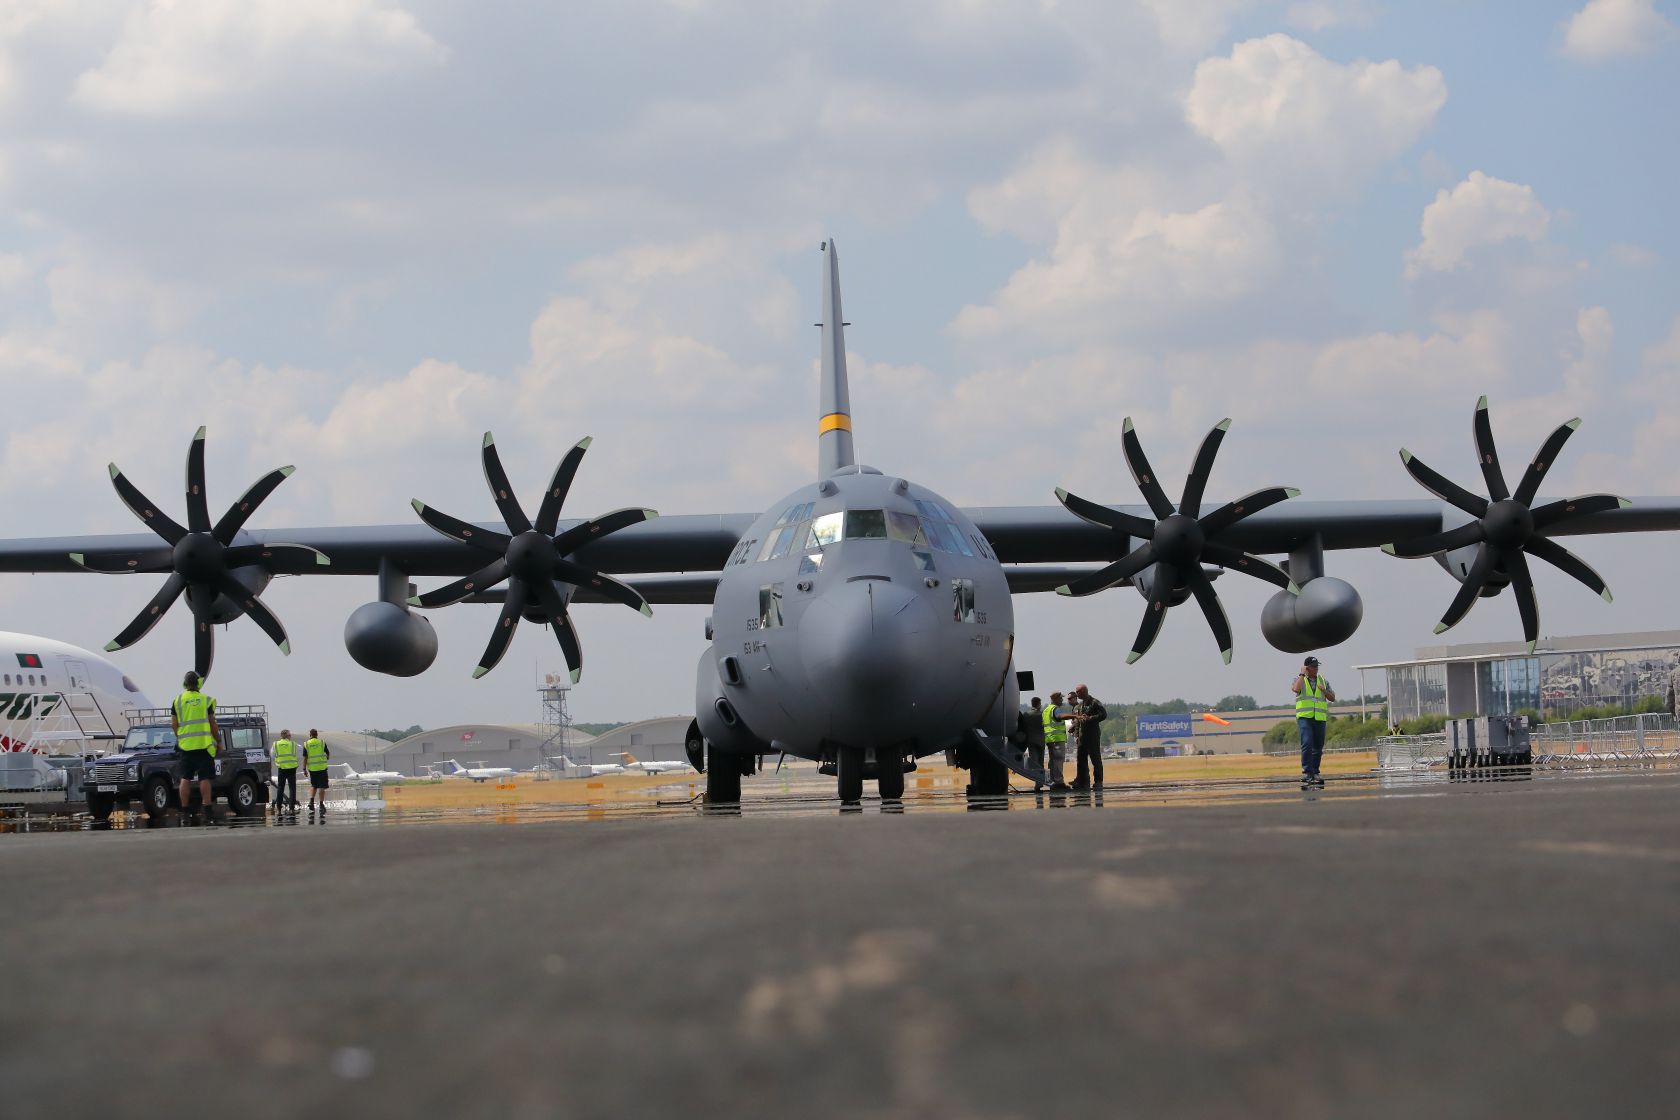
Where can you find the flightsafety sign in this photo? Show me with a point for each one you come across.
(1173, 725)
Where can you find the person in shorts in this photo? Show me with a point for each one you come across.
(193, 719)
(315, 755)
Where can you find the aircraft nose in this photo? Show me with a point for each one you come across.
(867, 645)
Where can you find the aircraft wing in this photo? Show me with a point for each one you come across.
(684, 543)
(1051, 535)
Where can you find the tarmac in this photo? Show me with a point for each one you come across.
(1381, 948)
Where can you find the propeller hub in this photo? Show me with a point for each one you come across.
(1509, 524)
(198, 557)
(531, 555)
(1178, 540)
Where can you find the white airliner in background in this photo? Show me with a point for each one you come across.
(479, 773)
(56, 698)
(350, 774)
(632, 763)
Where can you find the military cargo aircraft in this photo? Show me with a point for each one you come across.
(862, 621)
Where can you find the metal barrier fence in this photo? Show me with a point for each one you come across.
(1648, 737)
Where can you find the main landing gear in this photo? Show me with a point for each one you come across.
(851, 765)
(723, 775)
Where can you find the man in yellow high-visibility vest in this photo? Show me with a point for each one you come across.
(315, 755)
(1056, 714)
(1313, 697)
(285, 772)
(193, 718)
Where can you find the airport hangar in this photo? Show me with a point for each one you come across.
(519, 745)
(1559, 678)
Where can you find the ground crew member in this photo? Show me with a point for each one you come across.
(285, 770)
(193, 718)
(1089, 716)
(316, 755)
(1055, 738)
(1313, 697)
(1032, 736)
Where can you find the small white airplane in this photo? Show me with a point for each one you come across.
(350, 774)
(565, 765)
(56, 698)
(631, 762)
(479, 773)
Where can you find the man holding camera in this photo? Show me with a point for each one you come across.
(1088, 715)
(1313, 697)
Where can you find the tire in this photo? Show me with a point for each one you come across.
(723, 778)
(245, 799)
(100, 805)
(851, 776)
(990, 777)
(156, 797)
(891, 781)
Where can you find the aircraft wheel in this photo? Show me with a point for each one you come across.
(851, 776)
(891, 781)
(990, 777)
(723, 779)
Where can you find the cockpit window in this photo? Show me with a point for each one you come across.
(825, 530)
(906, 527)
(866, 525)
(793, 514)
(810, 564)
(130, 686)
(924, 561)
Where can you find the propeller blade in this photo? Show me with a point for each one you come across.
(1128, 565)
(1543, 460)
(1522, 586)
(1568, 563)
(1143, 474)
(554, 604)
(1549, 515)
(143, 508)
(149, 615)
(152, 560)
(506, 624)
(578, 576)
(453, 527)
(198, 502)
(595, 528)
(1442, 487)
(256, 611)
(1230, 513)
(1438, 542)
(1235, 560)
(1208, 599)
(500, 489)
(1487, 454)
(1087, 510)
(1196, 483)
(1153, 616)
(490, 575)
(201, 599)
(548, 514)
(278, 558)
(1474, 580)
(234, 519)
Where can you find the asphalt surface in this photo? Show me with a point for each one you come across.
(1379, 950)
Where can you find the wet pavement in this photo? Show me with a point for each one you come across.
(1384, 947)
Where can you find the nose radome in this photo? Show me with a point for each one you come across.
(865, 646)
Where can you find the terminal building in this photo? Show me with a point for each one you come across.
(1559, 678)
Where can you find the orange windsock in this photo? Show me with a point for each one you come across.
(1211, 718)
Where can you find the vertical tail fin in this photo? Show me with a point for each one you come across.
(834, 429)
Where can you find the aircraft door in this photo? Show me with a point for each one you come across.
(79, 691)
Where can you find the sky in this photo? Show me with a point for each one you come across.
(353, 235)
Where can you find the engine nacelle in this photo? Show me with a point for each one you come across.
(1326, 613)
(1458, 561)
(253, 578)
(720, 722)
(1146, 583)
(390, 639)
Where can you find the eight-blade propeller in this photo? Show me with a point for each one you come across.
(532, 558)
(1177, 542)
(200, 559)
(1507, 530)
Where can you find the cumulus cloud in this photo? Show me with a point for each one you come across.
(175, 55)
(1606, 29)
(1479, 211)
(1191, 24)
(1282, 112)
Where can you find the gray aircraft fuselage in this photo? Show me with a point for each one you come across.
(861, 612)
